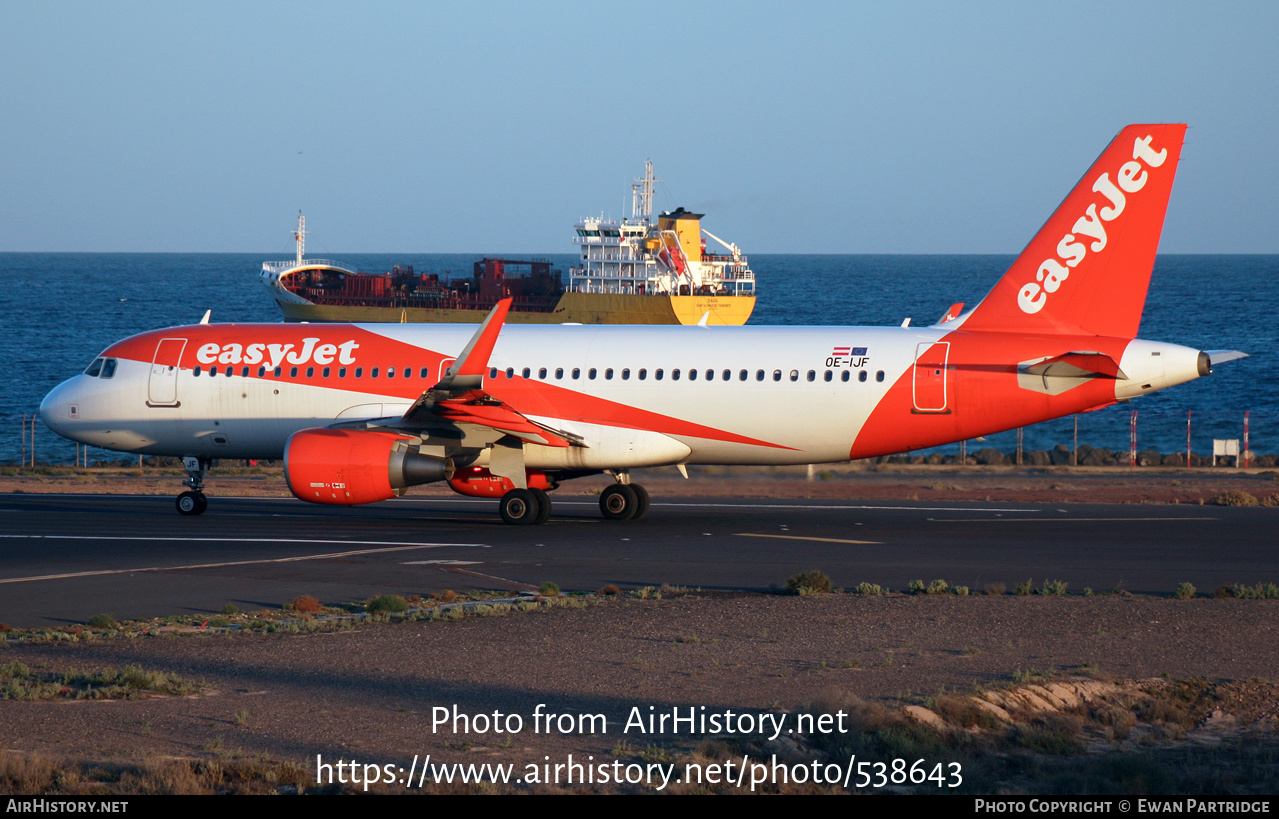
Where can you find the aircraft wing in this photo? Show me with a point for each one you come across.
(460, 398)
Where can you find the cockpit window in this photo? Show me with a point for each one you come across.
(95, 369)
(108, 368)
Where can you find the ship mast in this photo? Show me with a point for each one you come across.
(642, 194)
(300, 236)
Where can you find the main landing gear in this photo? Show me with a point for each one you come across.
(193, 501)
(523, 507)
(621, 501)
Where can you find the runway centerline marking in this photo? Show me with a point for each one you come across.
(556, 502)
(402, 547)
(1056, 520)
(818, 539)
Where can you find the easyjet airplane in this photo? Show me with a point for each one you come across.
(360, 413)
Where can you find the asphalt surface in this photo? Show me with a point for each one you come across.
(64, 558)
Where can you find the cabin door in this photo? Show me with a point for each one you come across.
(162, 387)
(931, 393)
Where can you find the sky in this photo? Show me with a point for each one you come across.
(797, 127)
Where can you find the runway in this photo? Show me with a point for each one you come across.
(65, 558)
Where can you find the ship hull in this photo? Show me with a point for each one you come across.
(572, 308)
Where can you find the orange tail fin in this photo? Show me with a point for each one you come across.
(1088, 268)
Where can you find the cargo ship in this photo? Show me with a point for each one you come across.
(632, 271)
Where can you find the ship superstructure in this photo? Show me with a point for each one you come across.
(637, 256)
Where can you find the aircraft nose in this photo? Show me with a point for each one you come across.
(58, 408)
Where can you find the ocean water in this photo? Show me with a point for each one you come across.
(61, 309)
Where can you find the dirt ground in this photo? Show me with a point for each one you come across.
(370, 694)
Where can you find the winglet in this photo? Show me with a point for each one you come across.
(952, 312)
(474, 359)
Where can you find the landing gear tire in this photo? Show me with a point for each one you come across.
(192, 503)
(619, 502)
(543, 505)
(641, 508)
(520, 507)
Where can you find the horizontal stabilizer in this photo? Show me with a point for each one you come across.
(1078, 364)
(1222, 356)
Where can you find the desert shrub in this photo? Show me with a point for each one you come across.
(1185, 591)
(1235, 497)
(549, 589)
(386, 604)
(808, 583)
(1053, 587)
(305, 604)
(102, 621)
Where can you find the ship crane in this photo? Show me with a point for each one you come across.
(733, 249)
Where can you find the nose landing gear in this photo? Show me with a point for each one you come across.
(193, 501)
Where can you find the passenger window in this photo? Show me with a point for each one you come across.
(341, 372)
(525, 373)
(359, 372)
(541, 373)
(510, 372)
(657, 374)
(727, 375)
(425, 371)
(577, 373)
(492, 372)
(373, 372)
(794, 375)
(390, 372)
(777, 375)
(812, 375)
(879, 376)
(861, 376)
(195, 370)
(559, 373)
(325, 372)
(675, 374)
(591, 374)
(829, 375)
(844, 375)
(310, 372)
(643, 374)
(213, 370)
(626, 375)
(278, 371)
(261, 372)
(608, 374)
(293, 372)
(692, 375)
(244, 372)
(742, 376)
(759, 375)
